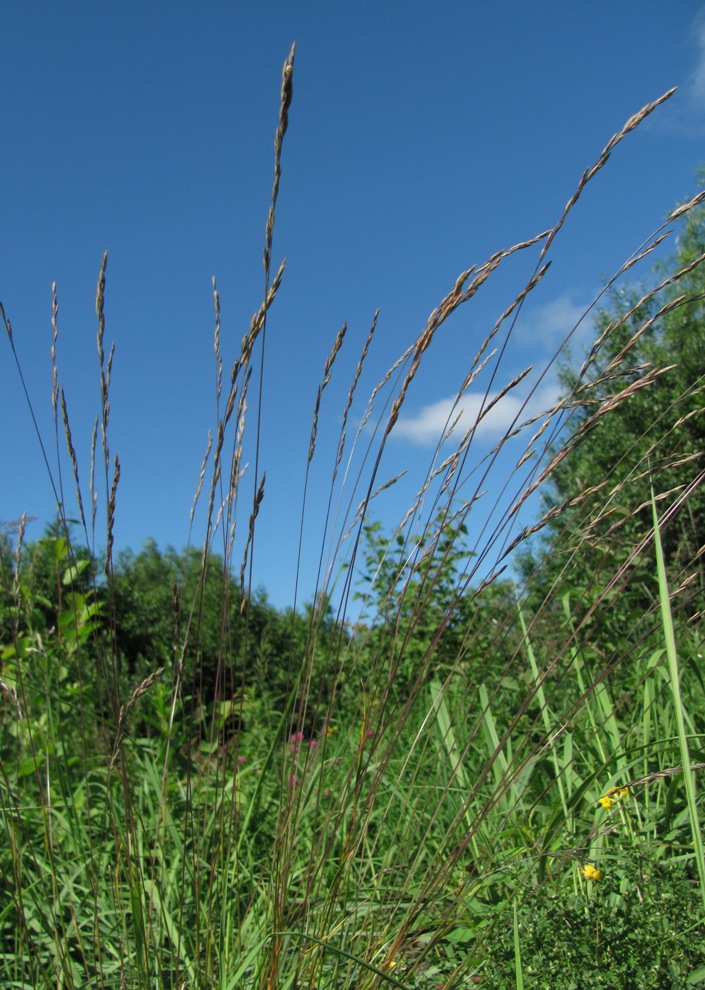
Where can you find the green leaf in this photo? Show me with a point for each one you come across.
(73, 571)
(59, 547)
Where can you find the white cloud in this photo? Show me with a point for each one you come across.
(548, 325)
(427, 425)
(539, 334)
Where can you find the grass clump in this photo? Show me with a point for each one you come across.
(429, 776)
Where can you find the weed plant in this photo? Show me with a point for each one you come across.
(437, 778)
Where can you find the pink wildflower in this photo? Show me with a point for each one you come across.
(295, 740)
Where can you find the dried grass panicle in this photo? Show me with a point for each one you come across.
(231, 405)
(604, 511)
(100, 308)
(549, 417)
(259, 319)
(387, 484)
(661, 775)
(459, 294)
(201, 477)
(667, 307)
(326, 379)
(351, 393)
(604, 407)
(229, 502)
(140, 690)
(338, 343)
(628, 316)
(684, 494)
(111, 517)
(686, 207)
(491, 403)
(236, 460)
(216, 476)
(559, 456)
(257, 324)
(72, 456)
(285, 103)
(251, 528)
(125, 709)
(105, 367)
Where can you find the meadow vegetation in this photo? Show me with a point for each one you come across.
(433, 775)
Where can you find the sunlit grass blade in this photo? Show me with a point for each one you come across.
(678, 706)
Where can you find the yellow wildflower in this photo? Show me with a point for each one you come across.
(618, 793)
(590, 873)
(606, 801)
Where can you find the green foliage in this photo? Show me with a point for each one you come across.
(419, 609)
(170, 612)
(51, 583)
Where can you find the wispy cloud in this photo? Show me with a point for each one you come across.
(427, 425)
(696, 83)
(547, 326)
(539, 335)
(686, 112)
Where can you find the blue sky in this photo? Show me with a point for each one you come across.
(422, 139)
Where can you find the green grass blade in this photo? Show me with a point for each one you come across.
(672, 657)
(517, 952)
